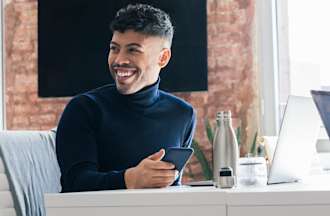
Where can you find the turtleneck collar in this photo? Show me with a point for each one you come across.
(145, 97)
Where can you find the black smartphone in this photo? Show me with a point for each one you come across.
(178, 156)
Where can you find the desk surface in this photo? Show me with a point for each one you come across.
(313, 190)
(139, 197)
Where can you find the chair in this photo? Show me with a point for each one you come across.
(6, 196)
(28, 169)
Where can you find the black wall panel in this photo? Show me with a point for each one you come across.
(74, 38)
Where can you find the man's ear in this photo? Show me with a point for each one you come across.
(164, 57)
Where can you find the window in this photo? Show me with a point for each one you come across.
(305, 34)
(299, 52)
(309, 45)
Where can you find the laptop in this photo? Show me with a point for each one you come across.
(296, 141)
(322, 101)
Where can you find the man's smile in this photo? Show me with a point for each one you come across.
(124, 73)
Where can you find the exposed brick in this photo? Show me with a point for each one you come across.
(23, 6)
(24, 80)
(46, 127)
(33, 98)
(21, 109)
(47, 108)
(22, 45)
(42, 119)
(19, 98)
(21, 120)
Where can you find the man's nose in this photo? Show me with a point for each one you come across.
(121, 58)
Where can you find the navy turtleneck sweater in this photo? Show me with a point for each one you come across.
(102, 133)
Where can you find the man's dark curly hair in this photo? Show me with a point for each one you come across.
(144, 19)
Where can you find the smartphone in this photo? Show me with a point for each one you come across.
(178, 156)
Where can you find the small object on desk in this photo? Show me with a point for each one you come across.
(226, 178)
(252, 171)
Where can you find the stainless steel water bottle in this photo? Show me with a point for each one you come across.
(216, 148)
(225, 147)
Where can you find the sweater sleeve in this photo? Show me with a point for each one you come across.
(190, 130)
(188, 137)
(76, 149)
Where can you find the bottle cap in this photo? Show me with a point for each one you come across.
(224, 114)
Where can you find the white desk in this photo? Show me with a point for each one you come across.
(311, 197)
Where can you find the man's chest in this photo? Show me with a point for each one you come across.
(131, 138)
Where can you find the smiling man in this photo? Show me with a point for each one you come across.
(114, 137)
(135, 60)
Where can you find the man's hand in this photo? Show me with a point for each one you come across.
(151, 172)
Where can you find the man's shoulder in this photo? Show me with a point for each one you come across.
(177, 102)
(93, 96)
(97, 94)
(101, 91)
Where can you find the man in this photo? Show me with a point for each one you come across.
(114, 137)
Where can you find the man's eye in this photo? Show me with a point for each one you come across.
(133, 50)
(113, 48)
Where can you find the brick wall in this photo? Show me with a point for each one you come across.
(24, 110)
(232, 77)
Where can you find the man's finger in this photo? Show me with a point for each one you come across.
(158, 155)
(164, 173)
(161, 165)
(163, 182)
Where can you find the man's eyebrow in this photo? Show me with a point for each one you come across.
(133, 44)
(114, 43)
(128, 45)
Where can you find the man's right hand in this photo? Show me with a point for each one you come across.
(151, 172)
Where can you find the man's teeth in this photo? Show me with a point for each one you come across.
(124, 74)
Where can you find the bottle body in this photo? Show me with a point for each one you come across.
(216, 150)
(225, 147)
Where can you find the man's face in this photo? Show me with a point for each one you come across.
(135, 60)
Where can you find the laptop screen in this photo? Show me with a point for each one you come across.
(322, 101)
(296, 141)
